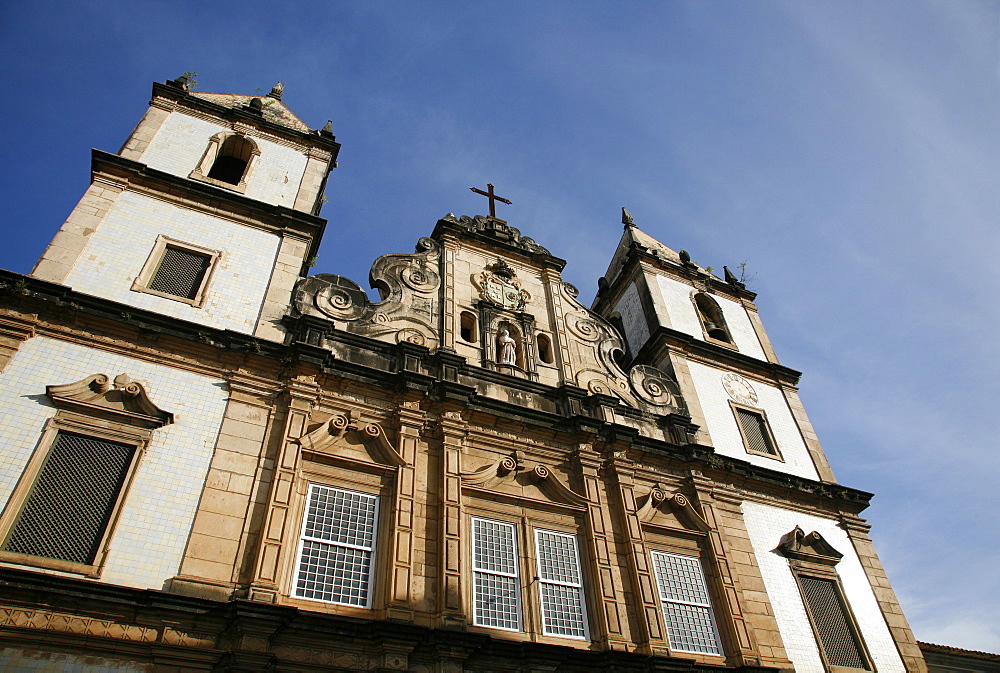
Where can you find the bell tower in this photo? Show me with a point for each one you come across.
(208, 213)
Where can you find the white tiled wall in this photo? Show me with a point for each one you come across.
(121, 244)
(766, 525)
(633, 318)
(179, 145)
(684, 318)
(725, 434)
(156, 519)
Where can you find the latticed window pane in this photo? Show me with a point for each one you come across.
(338, 539)
(755, 432)
(561, 585)
(181, 272)
(496, 592)
(686, 606)
(71, 504)
(835, 631)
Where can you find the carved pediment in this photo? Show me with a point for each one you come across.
(802, 546)
(663, 508)
(346, 438)
(122, 400)
(513, 476)
(496, 229)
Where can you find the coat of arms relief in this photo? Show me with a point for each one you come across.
(498, 284)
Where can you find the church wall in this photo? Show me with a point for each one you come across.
(766, 525)
(180, 144)
(149, 538)
(725, 434)
(119, 248)
(684, 318)
(19, 660)
(633, 318)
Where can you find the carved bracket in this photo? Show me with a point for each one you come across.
(343, 426)
(122, 400)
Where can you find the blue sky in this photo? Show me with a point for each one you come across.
(848, 151)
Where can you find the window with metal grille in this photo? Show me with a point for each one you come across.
(180, 272)
(560, 584)
(832, 624)
(337, 547)
(67, 513)
(495, 585)
(687, 609)
(756, 434)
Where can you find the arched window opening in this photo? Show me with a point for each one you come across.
(467, 327)
(232, 160)
(544, 349)
(712, 318)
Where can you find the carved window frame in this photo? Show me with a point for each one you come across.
(530, 609)
(149, 269)
(204, 166)
(81, 412)
(766, 425)
(811, 556)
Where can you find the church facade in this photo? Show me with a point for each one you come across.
(215, 462)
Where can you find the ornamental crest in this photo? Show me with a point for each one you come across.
(497, 284)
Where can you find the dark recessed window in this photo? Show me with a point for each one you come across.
(180, 272)
(832, 623)
(756, 434)
(232, 161)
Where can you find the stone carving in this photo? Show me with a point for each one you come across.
(498, 284)
(122, 399)
(655, 387)
(797, 544)
(410, 307)
(346, 427)
(497, 229)
(679, 504)
(506, 349)
(513, 467)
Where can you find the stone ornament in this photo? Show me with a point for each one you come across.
(498, 230)
(99, 396)
(506, 349)
(347, 427)
(498, 284)
(515, 468)
(797, 544)
(655, 387)
(659, 498)
(739, 389)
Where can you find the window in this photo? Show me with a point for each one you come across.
(232, 160)
(496, 587)
(67, 514)
(544, 349)
(832, 623)
(337, 547)
(687, 609)
(560, 584)
(712, 319)
(496, 591)
(468, 327)
(63, 510)
(177, 270)
(756, 432)
(227, 162)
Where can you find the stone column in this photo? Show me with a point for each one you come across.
(609, 623)
(302, 395)
(450, 608)
(857, 530)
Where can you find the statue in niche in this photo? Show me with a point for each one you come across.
(506, 349)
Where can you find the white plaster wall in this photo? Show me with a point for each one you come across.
(179, 145)
(684, 317)
(118, 249)
(633, 318)
(153, 528)
(766, 525)
(725, 434)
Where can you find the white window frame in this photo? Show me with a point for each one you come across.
(708, 605)
(515, 576)
(542, 580)
(303, 539)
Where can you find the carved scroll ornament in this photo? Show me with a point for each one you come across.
(123, 400)
(514, 468)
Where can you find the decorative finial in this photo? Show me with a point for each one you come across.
(256, 105)
(328, 127)
(627, 218)
(182, 82)
(685, 256)
(276, 91)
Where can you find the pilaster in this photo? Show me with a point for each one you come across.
(451, 592)
(404, 544)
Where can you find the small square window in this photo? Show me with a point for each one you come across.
(756, 432)
(177, 270)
